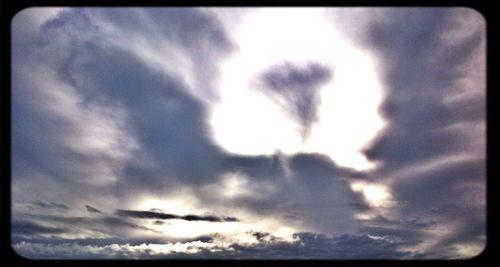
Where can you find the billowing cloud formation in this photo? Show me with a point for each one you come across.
(111, 107)
(296, 88)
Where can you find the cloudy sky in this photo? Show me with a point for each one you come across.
(269, 133)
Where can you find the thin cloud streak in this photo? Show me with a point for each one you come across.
(167, 216)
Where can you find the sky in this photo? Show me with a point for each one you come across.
(248, 133)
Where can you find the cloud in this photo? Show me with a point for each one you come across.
(186, 42)
(304, 246)
(153, 104)
(131, 124)
(30, 228)
(323, 199)
(45, 227)
(432, 152)
(416, 75)
(50, 205)
(296, 89)
(166, 216)
(84, 126)
(92, 209)
(116, 102)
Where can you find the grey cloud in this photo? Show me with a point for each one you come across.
(166, 216)
(49, 129)
(257, 167)
(452, 180)
(422, 69)
(159, 103)
(296, 89)
(319, 165)
(260, 235)
(50, 205)
(156, 105)
(31, 228)
(32, 225)
(194, 31)
(189, 27)
(305, 246)
(313, 246)
(322, 197)
(92, 209)
(410, 231)
(157, 109)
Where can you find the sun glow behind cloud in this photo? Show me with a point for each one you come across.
(377, 195)
(185, 203)
(245, 121)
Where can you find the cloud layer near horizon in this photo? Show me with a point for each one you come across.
(114, 153)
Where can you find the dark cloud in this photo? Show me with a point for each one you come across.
(451, 180)
(411, 45)
(257, 167)
(262, 236)
(318, 165)
(296, 88)
(314, 246)
(31, 228)
(415, 223)
(423, 66)
(166, 216)
(319, 176)
(158, 105)
(92, 209)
